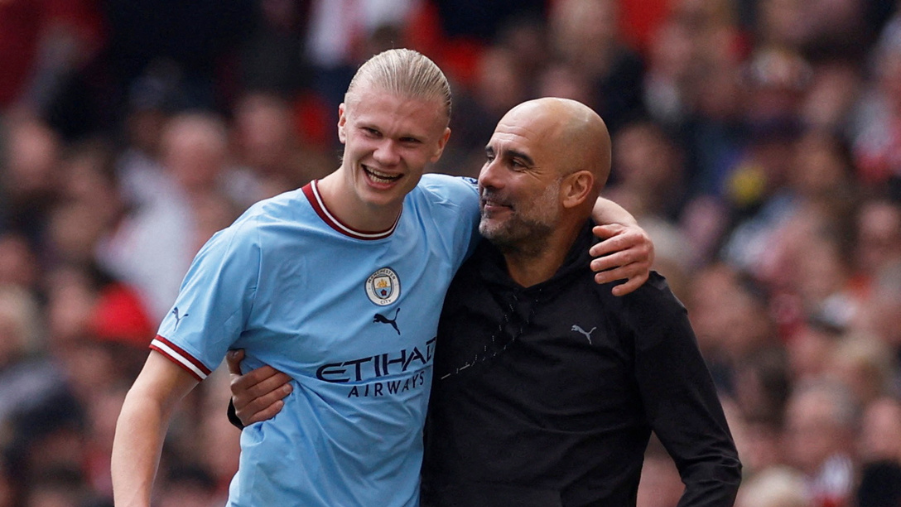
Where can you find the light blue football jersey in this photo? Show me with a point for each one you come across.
(350, 316)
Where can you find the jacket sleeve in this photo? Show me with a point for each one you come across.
(680, 399)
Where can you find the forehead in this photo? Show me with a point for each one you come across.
(372, 105)
(532, 134)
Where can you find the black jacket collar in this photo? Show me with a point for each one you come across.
(493, 267)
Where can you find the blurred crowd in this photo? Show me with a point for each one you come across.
(757, 141)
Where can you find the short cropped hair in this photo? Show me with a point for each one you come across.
(406, 73)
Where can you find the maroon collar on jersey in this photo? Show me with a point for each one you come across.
(311, 190)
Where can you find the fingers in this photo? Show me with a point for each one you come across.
(257, 394)
(628, 272)
(234, 358)
(249, 410)
(267, 413)
(618, 260)
(606, 233)
(263, 399)
(257, 383)
(626, 253)
(617, 238)
(262, 407)
(634, 276)
(630, 285)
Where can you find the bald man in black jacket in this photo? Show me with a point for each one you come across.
(547, 387)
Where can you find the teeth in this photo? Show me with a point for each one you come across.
(380, 177)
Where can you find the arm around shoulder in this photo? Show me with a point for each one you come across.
(142, 426)
(607, 212)
(626, 252)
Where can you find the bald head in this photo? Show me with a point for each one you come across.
(579, 137)
(545, 165)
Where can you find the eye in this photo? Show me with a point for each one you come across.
(371, 132)
(410, 140)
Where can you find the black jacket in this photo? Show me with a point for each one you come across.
(547, 395)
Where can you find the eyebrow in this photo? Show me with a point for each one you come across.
(512, 154)
(371, 125)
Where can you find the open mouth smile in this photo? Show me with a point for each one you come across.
(380, 177)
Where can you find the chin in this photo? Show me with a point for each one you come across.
(492, 232)
(383, 197)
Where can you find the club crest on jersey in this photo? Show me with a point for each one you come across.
(383, 287)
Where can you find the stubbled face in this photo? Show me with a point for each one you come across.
(519, 185)
(388, 140)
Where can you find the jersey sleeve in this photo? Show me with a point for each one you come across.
(214, 301)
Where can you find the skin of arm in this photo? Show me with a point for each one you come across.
(626, 252)
(606, 211)
(142, 426)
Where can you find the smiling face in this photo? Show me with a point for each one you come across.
(519, 185)
(388, 140)
(546, 162)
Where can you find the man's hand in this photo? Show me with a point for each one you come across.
(626, 253)
(257, 395)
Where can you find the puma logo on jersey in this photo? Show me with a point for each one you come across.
(177, 317)
(385, 320)
(586, 333)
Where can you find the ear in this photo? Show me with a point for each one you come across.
(441, 144)
(576, 188)
(342, 121)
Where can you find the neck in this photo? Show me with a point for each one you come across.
(529, 267)
(352, 212)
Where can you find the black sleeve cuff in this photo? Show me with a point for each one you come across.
(233, 416)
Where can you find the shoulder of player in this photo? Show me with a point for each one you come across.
(652, 301)
(246, 229)
(279, 207)
(443, 188)
(272, 211)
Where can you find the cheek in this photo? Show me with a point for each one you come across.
(357, 144)
(418, 158)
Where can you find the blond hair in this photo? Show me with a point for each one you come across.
(405, 73)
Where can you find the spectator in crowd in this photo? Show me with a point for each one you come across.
(821, 418)
(880, 452)
(773, 487)
(660, 484)
(186, 205)
(268, 150)
(30, 175)
(7, 485)
(864, 364)
(878, 126)
(647, 177)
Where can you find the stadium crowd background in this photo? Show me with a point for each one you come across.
(758, 142)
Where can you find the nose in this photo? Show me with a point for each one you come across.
(490, 175)
(386, 152)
